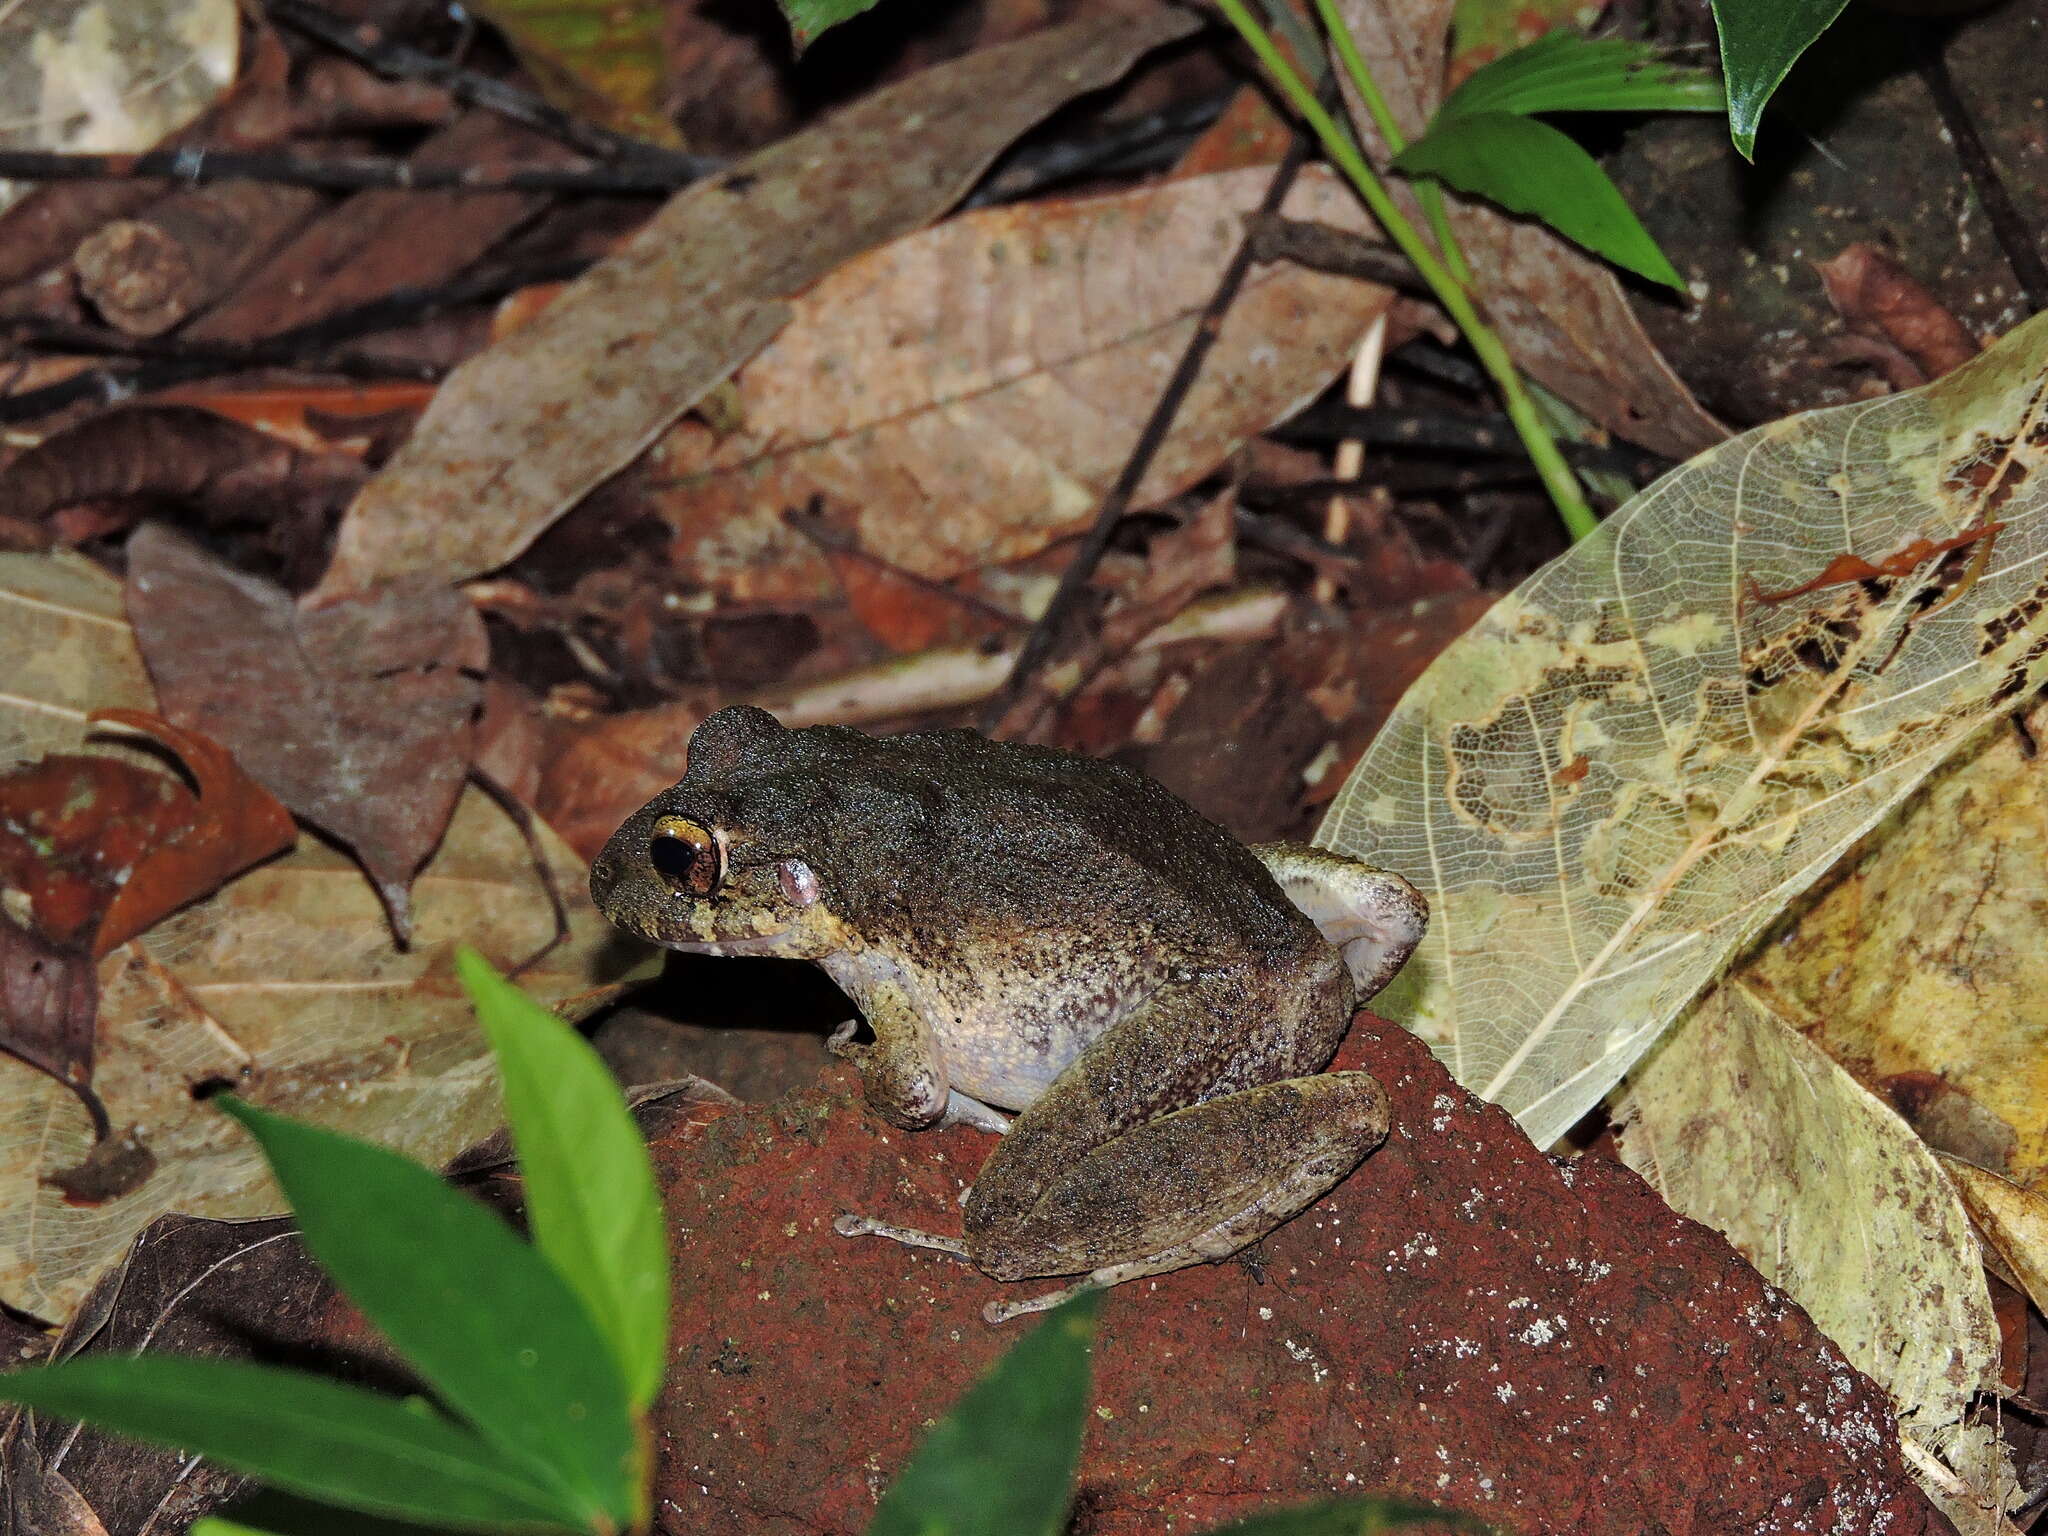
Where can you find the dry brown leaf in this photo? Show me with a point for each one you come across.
(358, 715)
(1921, 966)
(521, 432)
(964, 396)
(1562, 313)
(285, 982)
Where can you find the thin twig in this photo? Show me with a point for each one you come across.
(1046, 633)
(354, 173)
(1123, 148)
(299, 347)
(1444, 431)
(2015, 237)
(367, 45)
(810, 522)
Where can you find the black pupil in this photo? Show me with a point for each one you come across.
(673, 858)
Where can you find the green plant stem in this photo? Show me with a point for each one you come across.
(1543, 452)
(1427, 193)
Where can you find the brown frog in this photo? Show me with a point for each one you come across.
(1030, 930)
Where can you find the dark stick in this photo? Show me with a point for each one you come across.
(368, 46)
(67, 336)
(810, 522)
(2015, 237)
(354, 173)
(1442, 431)
(1066, 598)
(298, 347)
(1031, 168)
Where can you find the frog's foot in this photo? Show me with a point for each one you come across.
(1189, 1188)
(850, 1225)
(962, 1110)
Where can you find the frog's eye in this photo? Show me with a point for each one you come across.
(686, 855)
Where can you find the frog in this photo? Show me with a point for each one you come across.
(1051, 947)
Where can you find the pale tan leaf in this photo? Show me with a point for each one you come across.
(965, 396)
(94, 76)
(519, 433)
(1638, 757)
(285, 983)
(1741, 1124)
(2014, 1222)
(68, 652)
(1922, 964)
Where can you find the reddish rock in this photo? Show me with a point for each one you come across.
(1540, 1342)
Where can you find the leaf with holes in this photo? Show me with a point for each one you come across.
(1650, 747)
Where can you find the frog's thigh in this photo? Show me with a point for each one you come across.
(1196, 1185)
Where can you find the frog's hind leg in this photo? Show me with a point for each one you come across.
(1191, 1187)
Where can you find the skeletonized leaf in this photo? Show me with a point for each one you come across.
(1639, 756)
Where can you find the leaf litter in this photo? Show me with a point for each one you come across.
(520, 432)
(286, 982)
(358, 715)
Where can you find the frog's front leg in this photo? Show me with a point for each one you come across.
(903, 1073)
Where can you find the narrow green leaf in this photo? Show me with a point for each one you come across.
(808, 19)
(1002, 1462)
(1354, 1517)
(590, 1195)
(1760, 41)
(1566, 71)
(305, 1433)
(598, 59)
(482, 1316)
(1531, 168)
(269, 1512)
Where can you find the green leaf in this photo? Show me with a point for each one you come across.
(1760, 40)
(482, 1316)
(1565, 71)
(1531, 168)
(598, 59)
(269, 1512)
(590, 1195)
(809, 19)
(1354, 1517)
(313, 1436)
(1002, 1462)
